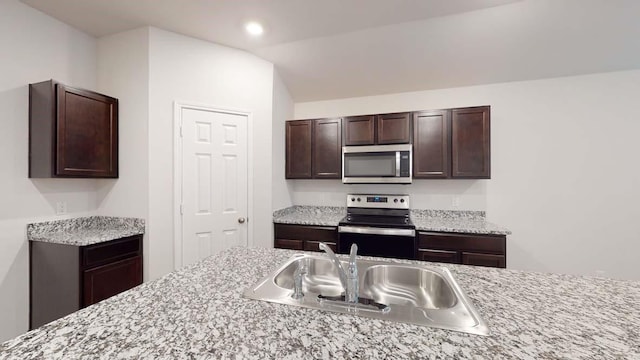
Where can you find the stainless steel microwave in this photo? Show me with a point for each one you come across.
(378, 164)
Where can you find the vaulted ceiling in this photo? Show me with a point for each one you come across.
(345, 48)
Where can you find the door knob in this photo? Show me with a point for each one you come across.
(241, 220)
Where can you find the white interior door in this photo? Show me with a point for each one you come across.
(214, 182)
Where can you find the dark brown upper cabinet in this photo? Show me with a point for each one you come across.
(314, 149)
(359, 130)
(393, 128)
(327, 149)
(72, 132)
(298, 149)
(470, 143)
(431, 152)
(377, 129)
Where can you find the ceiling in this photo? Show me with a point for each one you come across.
(332, 49)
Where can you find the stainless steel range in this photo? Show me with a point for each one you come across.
(379, 224)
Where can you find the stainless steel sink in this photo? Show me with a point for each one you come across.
(391, 291)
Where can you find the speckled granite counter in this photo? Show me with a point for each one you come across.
(198, 313)
(470, 222)
(310, 215)
(85, 230)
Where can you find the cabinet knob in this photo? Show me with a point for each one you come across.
(241, 220)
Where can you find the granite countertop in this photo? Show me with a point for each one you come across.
(310, 215)
(85, 230)
(198, 312)
(468, 222)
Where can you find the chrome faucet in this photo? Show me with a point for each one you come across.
(348, 278)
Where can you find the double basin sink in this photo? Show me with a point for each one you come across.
(391, 291)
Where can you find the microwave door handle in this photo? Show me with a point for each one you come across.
(397, 163)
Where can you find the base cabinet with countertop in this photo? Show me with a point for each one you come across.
(467, 249)
(66, 278)
(304, 237)
(199, 312)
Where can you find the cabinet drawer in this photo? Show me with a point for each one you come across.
(442, 256)
(314, 246)
(463, 242)
(306, 232)
(288, 244)
(100, 254)
(490, 260)
(111, 279)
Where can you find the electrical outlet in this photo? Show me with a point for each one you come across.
(455, 202)
(61, 207)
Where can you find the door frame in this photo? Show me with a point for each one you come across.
(178, 106)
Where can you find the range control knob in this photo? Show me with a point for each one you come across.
(358, 199)
(395, 200)
(401, 200)
(353, 199)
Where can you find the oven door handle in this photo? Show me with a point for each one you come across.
(376, 231)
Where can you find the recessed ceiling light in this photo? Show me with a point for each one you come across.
(254, 28)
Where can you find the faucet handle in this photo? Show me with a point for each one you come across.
(352, 253)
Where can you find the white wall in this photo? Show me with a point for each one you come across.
(123, 72)
(282, 111)
(35, 48)
(189, 70)
(564, 168)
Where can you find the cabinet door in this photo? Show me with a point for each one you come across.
(327, 149)
(359, 130)
(431, 144)
(111, 279)
(490, 260)
(470, 143)
(87, 134)
(298, 149)
(443, 256)
(288, 244)
(394, 128)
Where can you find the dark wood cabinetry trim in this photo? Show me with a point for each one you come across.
(304, 237)
(60, 274)
(469, 249)
(431, 144)
(447, 144)
(327, 149)
(359, 130)
(471, 142)
(489, 260)
(393, 128)
(454, 248)
(298, 149)
(72, 132)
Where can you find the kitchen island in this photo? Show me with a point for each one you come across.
(198, 312)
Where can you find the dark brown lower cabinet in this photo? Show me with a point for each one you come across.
(304, 237)
(490, 260)
(67, 278)
(107, 280)
(443, 256)
(468, 249)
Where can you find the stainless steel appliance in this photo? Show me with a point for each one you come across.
(379, 164)
(379, 224)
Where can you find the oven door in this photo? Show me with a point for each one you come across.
(378, 241)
